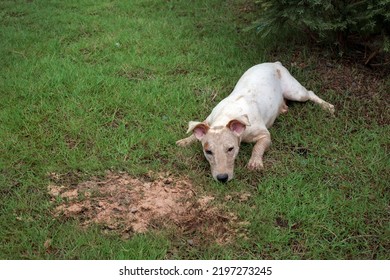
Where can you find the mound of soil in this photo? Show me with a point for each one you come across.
(124, 204)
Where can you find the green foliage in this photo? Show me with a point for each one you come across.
(328, 20)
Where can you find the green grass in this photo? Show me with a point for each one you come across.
(87, 86)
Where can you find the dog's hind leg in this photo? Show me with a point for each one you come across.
(294, 91)
(303, 95)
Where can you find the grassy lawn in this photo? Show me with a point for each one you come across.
(90, 86)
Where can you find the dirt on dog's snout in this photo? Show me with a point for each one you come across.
(126, 205)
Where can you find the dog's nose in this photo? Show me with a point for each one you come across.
(223, 177)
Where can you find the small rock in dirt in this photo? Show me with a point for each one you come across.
(75, 208)
(244, 197)
(168, 181)
(203, 201)
(87, 194)
(54, 190)
(70, 194)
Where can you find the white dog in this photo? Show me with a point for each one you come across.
(245, 115)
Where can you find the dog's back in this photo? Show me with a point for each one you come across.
(258, 93)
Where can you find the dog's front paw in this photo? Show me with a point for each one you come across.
(185, 142)
(255, 164)
(182, 143)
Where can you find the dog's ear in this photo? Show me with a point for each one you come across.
(198, 128)
(239, 124)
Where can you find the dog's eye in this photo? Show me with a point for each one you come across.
(230, 149)
(209, 152)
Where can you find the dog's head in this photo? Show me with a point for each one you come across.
(220, 145)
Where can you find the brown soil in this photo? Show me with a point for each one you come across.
(124, 204)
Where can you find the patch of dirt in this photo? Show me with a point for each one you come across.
(363, 90)
(124, 204)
